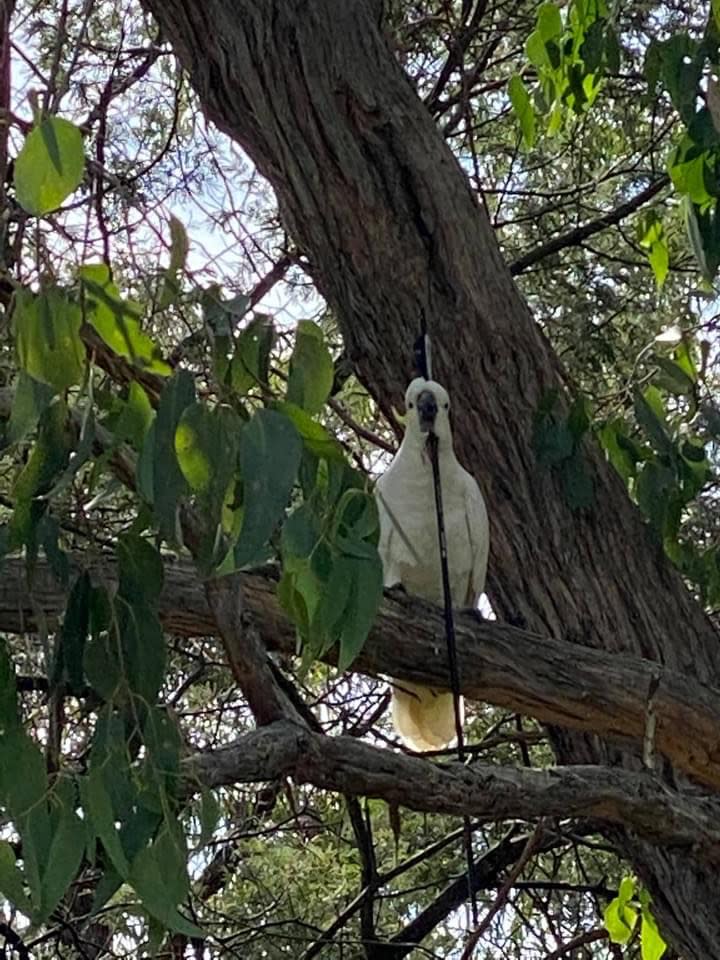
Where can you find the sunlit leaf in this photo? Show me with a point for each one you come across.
(50, 165)
(179, 246)
(549, 21)
(522, 106)
(118, 320)
(317, 439)
(652, 944)
(619, 917)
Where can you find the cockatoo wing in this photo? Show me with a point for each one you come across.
(479, 537)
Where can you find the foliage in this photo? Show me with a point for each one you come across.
(621, 916)
(172, 385)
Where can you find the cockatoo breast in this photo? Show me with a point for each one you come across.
(409, 533)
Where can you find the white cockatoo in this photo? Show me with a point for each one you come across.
(409, 546)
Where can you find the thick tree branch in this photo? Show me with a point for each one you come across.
(555, 681)
(637, 801)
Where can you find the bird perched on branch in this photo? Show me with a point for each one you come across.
(409, 548)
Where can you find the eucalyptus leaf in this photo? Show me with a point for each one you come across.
(168, 482)
(47, 329)
(30, 400)
(49, 166)
(311, 369)
(118, 320)
(270, 454)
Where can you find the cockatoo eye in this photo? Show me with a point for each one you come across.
(447, 406)
(410, 406)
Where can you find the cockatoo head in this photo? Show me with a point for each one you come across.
(427, 407)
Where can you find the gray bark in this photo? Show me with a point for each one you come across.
(658, 814)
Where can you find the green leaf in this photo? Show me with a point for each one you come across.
(206, 445)
(101, 663)
(688, 169)
(31, 399)
(270, 452)
(49, 166)
(652, 238)
(652, 944)
(311, 369)
(300, 533)
(144, 650)
(650, 416)
(251, 359)
(99, 807)
(536, 52)
(703, 227)
(47, 330)
(48, 458)
(11, 879)
(684, 359)
(356, 513)
(169, 484)
(363, 604)
(675, 378)
(622, 457)
(209, 816)
(592, 47)
(553, 442)
(577, 482)
(9, 717)
(681, 69)
(179, 247)
(140, 569)
(333, 599)
(118, 320)
(48, 533)
(145, 470)
(654, 489)
(161, 769)
(523, 108)
(68, 665)
(137, 415)
(154, 877)
(620, 918)
(66, 851)
(317, 439)
(25, 797)
(549, 21)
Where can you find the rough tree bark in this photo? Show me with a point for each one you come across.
(557, 682)
(374, 198)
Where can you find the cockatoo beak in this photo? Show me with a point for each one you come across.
(427, 409)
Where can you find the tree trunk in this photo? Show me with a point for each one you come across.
(373, 196)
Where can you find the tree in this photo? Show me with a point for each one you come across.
(198, 432)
